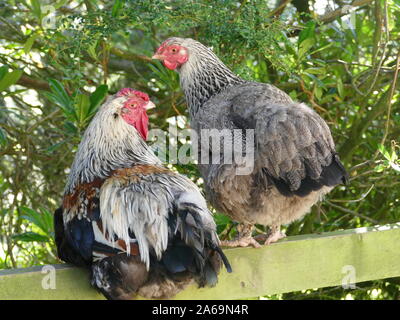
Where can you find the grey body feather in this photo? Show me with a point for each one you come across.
(295, 159)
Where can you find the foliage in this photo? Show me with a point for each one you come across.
(54, 73)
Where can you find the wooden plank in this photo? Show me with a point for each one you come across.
(295, 263)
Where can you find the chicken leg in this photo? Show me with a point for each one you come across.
(243, 239)
(274, 235)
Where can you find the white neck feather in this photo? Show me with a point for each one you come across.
(108, 144)
(203, 75)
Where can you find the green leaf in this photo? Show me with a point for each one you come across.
(54, 147)
(70, 127)
(316, 80)
(305, 46)
(82, 105)
(59, 4)
(318, 92)
(221, 219)
(316, 70)
(29, 43)
(3, 71)
(92, 51)
(165, 76)
(36, 9)
(308, 32)
(60, 96)
(3, 137)
(116, 7)
(43, 220)
(322, 48)
(380, 168)
(30, 237)
(288, 44)
(383, 151)
(97, 97)
(393, 156)
(340, 88)
(9, 79)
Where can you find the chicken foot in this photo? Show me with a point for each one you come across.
(274, 235)
(243, 239)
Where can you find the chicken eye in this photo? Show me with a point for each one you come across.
(115, 115)
(174, 50)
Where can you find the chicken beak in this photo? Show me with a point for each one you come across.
(158, 57)
(149, 105)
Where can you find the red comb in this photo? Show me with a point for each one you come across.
(125, 92)
(163, 45)
(128, 92)
(141, 94)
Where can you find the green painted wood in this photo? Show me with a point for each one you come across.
(292, 264)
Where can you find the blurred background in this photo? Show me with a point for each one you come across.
(60, 59)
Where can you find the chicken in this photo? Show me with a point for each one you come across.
(294, 163)
(140, 228)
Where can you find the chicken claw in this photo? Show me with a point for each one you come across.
(244, 238)
(274, 235)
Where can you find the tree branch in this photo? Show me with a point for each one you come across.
(130, 56)
(333, 15)
(279, 8)
(33, 83)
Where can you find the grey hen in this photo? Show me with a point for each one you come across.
(295, 162)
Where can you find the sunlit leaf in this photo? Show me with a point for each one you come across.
(29, 43)
(3, 71)
(42, 220)
(97, 97)
(384, 152)
(308, 32)
(30, 237)
(60, 96)
(305, 46)
(315, 70)
(9, 79)
(82, 105)
(380, 168)
(36, 9)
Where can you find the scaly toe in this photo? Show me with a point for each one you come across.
(241, 242)
(274, 237)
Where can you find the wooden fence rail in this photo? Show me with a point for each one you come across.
(296, 263)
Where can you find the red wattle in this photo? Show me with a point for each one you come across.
(138, 118)
(170, 65)
(141, 124)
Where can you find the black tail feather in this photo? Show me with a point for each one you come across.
(331, 176)
(223, 257)
(65, 250)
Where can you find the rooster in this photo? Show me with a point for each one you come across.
(295, 162)
(140, 228)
